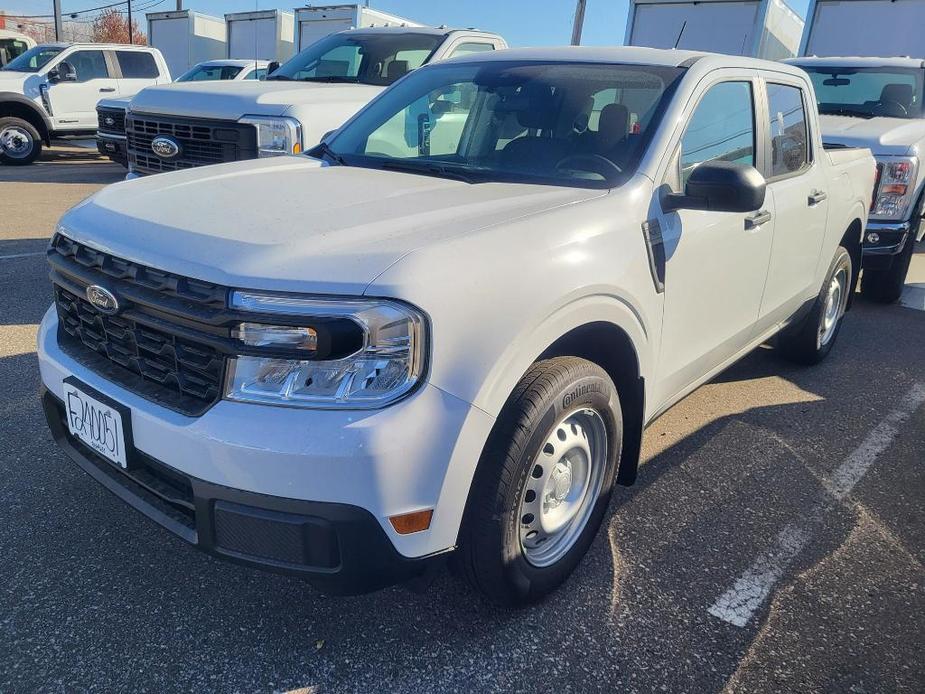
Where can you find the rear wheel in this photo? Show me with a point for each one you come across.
(543, 483)
(886, 286)
(20, 142)
(810, 340)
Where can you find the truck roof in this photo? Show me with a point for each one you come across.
(101, 46)
(858, 61)
(633, 55)
(234, 62)
(427, 31)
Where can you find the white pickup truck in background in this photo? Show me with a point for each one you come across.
(444, 334)
(308, 96)
(871, 94)
(51, 90)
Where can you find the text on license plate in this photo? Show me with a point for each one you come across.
(95, 424)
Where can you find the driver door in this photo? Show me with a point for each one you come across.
(73, 104)
(716, 262)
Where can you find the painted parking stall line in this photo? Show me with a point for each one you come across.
(21, 255)
(741, 601)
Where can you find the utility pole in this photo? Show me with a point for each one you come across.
(179, 5)
(59, 25)
(131, 38)
(579, 22)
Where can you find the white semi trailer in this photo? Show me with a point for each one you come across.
(261, 35)
(872, 28)
(766, 29)
(186, 37)
(313, 23)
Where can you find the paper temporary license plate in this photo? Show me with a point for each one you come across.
(98, 425)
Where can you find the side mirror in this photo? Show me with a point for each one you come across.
(719, 186)
(63, 72)
(272, 67)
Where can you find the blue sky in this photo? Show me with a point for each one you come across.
(522, 22)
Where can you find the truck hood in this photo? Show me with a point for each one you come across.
(292, 223)
(229, 100)
(883, 136)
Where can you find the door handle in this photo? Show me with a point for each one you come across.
(756, 220)
(107, 89)
(816, 197)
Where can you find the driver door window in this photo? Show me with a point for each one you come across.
(722, 128)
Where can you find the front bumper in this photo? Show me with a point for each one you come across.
(338, 547)
(112, 146)
(893, 237)
(417, 454)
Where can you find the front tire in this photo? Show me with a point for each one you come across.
(20, 142)
(810, 340)
(543, 483)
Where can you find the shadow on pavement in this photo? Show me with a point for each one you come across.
(65, 164)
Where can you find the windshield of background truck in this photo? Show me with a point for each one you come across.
(13, 47)
(209, 73)
(869, 91)
(377, 59)
(33, 60)
(575, 124)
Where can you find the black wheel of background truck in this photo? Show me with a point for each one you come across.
(886, 286)
(543, 482)
(811, 339)
(20, 142)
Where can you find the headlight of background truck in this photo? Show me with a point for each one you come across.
(894, 188)
(325, 354)
(276, 136)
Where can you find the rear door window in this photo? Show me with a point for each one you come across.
(137, 64)
(788, 129)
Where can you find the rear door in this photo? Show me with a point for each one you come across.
(798, 187)
(74, 103)
(138, 69)
(716, 262)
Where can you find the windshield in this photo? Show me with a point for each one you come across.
(868, 92)
(574, 124)
(207, 73)
(34, 59)
(377, 59)
(11, 48)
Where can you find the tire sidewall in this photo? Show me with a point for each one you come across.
(595, 391)
(34, 136)
(842, 259)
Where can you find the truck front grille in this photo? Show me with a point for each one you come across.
(110, 120)
(200, 142)
(166, 343)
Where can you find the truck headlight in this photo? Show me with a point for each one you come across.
(325, 354)
(276, 136)
(895, 187)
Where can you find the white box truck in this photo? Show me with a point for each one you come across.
(185, 38)
(875, 28)
(313, 23)
(766, 29)
(261, 35)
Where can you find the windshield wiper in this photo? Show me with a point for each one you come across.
(330, 78)
(427, 170)
(324, 149)
(278, 78)
(846, 112)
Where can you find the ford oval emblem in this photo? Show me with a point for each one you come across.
(102, 299)
(165, 147)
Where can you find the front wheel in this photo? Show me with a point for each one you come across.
(20, 142)
(810, 340)
(543, 483)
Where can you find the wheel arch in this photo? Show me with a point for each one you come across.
(18, 106)
(852, 241)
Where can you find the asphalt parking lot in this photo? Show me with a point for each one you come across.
(773, 542)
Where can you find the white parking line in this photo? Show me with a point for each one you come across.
(21, 255)
(739, 603)
(914, 296)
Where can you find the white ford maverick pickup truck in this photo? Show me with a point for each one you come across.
(441, 335)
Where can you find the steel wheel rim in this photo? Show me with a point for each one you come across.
(562, 487)
(835, 302)
(16, 142)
